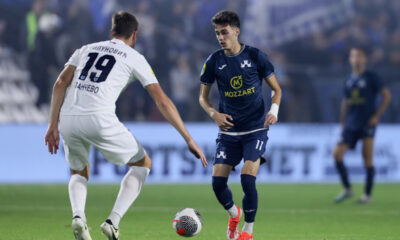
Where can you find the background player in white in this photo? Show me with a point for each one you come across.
(83, 101)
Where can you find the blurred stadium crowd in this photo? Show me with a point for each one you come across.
(38, 36)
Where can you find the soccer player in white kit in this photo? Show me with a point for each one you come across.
(83, 103)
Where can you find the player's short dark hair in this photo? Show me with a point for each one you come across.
(123, 24)
(361, 48)
(226, 17)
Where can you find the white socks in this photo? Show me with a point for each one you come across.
(248, 227)
(233, 211)
(130, 188)
(77, 189)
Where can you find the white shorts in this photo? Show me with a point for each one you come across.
(105, 132)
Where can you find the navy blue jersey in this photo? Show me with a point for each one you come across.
(239, 80)
(361, 94)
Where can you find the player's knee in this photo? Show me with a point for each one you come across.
(144, 162)
(368, 162)
(219, 183)
(248, 184)
(367, 156)
(148, 163)
(84, 172)
(251, 167)
(337, 155)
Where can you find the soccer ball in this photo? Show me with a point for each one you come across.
(187, 222)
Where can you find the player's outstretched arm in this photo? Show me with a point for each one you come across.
(221, 119)
(272, 116)
(169, 111)
(386, 96)
(52, 138)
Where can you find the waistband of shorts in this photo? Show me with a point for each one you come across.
(75, 113)
(242, 133)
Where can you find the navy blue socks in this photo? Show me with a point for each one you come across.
(369, 181)
(341, 168)
(222, 192)
(250, 197)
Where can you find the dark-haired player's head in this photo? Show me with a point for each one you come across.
(124, 26)
(227, 28)
(358, 59)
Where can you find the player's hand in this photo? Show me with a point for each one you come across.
(222, 120)
(196, 151)
(270, 119)
(52, 139)
(373, 121)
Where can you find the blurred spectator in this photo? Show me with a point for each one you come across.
(176, 37)
(182, 81)
(288, 106)
(39, 46)
(3, 25)
(78, 29)
(147, 26)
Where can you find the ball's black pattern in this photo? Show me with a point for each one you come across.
(187, 223)
(199, 216)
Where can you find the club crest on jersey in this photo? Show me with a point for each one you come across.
(245, 63)
(237, 82)
(361, 83)
(221, 154)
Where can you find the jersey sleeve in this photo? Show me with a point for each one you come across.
(265, 67)
(377, 82)
(74, 59)
(143, 72)
(207, 75)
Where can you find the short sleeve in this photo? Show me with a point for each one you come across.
(74, 59)
(143, 72)
(265, 67)
(377, 82)
(207, 75)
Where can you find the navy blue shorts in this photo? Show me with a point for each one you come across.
(350, 137)
(232, 149)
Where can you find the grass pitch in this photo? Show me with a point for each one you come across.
(287, 212)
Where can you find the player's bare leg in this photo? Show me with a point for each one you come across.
(250, 198)
(131, 186)
(251, 167)
(77, 189)
(367, 153)
(221, 170)
(338, 153)
(224, 195)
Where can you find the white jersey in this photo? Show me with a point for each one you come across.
(103, 70)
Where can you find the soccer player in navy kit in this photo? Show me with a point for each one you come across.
(359, 117)
(239, 71)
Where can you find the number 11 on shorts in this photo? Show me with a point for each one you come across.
(259, 145)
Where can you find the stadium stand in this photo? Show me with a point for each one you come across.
(17, 93)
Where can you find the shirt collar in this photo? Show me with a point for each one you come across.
(117, 41)
(237, 54)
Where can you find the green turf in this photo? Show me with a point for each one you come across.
(287, 212)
